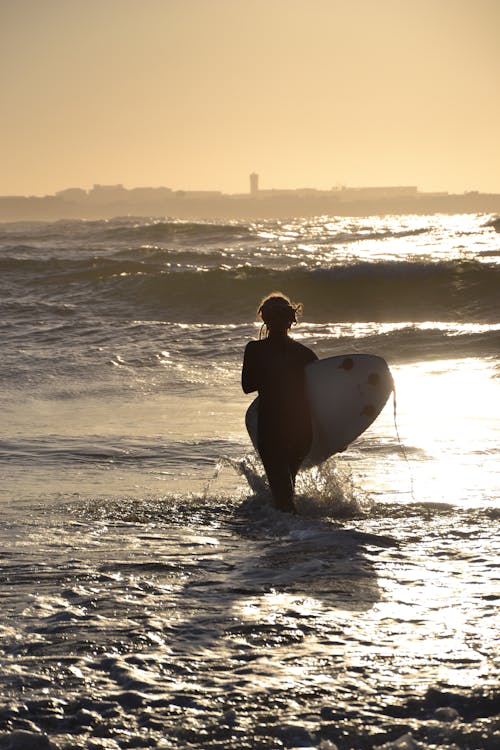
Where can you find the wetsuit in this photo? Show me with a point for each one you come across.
(275, 368)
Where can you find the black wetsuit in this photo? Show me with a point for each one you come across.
(275, 368)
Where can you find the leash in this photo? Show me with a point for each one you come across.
(403, 450)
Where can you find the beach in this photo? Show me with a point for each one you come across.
(150, 595)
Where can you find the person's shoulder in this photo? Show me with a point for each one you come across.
(303, 350)
(254, 344)
(254, 347)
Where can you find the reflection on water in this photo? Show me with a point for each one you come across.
(180, 626)
(448, 415)
(448, 418)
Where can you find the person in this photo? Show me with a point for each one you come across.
(274, 366)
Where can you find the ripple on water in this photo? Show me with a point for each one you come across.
(212, 623)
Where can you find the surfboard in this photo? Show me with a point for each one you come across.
(346, 395)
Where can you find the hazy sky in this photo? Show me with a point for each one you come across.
(199, 93)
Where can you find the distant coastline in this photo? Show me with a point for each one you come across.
(108, 201)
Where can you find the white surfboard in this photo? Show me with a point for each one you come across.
(346, 395)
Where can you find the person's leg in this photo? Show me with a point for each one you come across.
(281, 484)
(279, 477)
(296, 454)
(294, 466)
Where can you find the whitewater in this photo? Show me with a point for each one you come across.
(149, 594)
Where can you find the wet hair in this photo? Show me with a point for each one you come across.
(277, 310)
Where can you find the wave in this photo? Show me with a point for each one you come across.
(409, 343)
(140, 231)
(366, 291)
(494, 223)
(164, 231)
(368, 233)
(128, 229)
(390, 290)
(159, 256)
(197, 234)
(51, 271)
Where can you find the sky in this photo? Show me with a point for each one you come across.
(196, 94)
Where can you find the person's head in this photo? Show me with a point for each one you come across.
(278, 313)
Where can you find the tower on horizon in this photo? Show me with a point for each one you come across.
(254, 183)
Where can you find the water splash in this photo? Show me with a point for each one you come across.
(328, 490)
(325, 491)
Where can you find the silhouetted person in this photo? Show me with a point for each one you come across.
(274, 366)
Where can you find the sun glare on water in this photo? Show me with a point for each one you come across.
(448, 413)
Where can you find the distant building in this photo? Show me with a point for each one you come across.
(75, 195)
(277, 193)
(200, 194)
(254, 183)
(148, 193)
(103, 194)
(376, 193)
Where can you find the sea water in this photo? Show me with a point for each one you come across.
(149, 594)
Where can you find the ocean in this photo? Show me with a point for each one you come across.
(149, 594)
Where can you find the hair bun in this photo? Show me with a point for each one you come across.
(278, 309)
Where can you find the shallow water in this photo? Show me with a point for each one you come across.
(216, 625)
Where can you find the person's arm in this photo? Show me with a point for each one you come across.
(249, 377)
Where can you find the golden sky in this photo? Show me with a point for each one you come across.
(196, 94)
